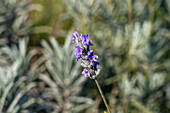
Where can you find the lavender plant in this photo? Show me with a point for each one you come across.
(17, 71)
(17, 79)
(89, 60)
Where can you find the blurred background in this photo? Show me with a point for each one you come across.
(39, 72)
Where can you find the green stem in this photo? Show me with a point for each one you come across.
(103, 97)
(130, 10)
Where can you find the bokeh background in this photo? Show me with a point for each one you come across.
(39, 72)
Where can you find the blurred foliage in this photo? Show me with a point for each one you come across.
(131, 38)
(14, 20)
(52, 20)
(17, 79)
(17, 71)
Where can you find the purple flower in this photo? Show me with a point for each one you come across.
(83, 53)
(95, 65)
(92, 57)
(75, 34)
(86, 40)
(86, 73)
(78, 52)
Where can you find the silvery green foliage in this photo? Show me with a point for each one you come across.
(142, 91)
(109, 13)
(145, 86)
(143, 82)
(64, 80)
(14, 24)
(107, 21)
(14, 20)
(16, 79)
(16, 71)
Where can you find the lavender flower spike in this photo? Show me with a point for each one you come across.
(83, 53)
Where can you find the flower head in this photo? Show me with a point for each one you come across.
(83, 53)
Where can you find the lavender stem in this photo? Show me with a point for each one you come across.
(103, 97)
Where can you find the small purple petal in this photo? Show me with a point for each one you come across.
(75, 34)
(95, 65)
